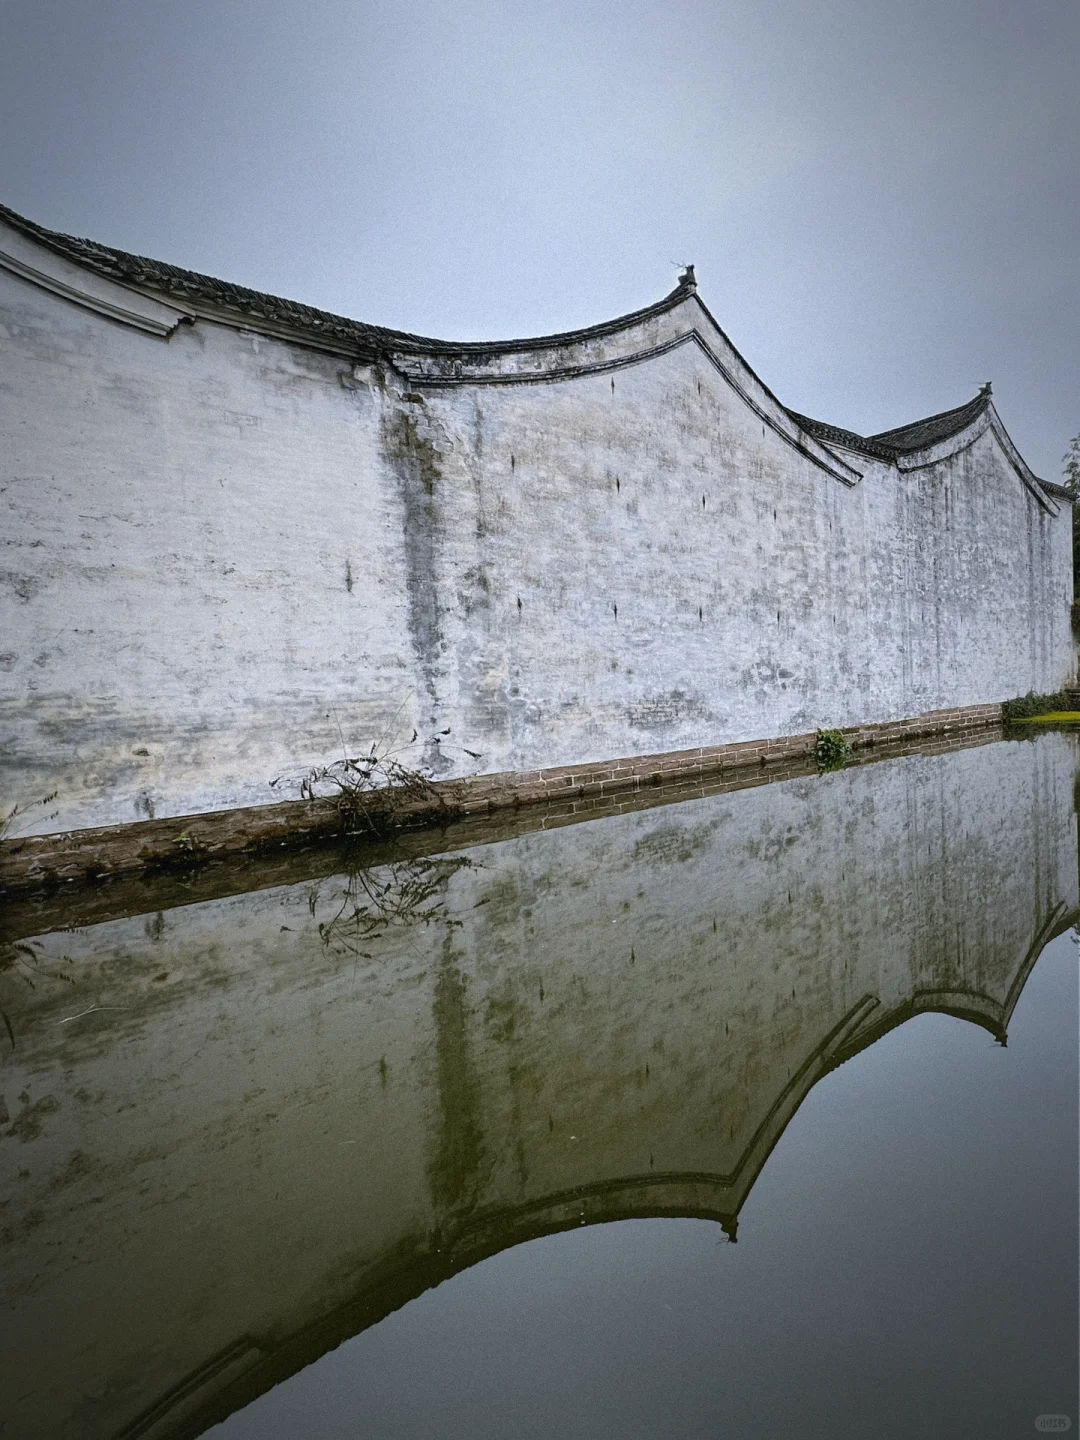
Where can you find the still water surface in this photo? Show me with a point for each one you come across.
(693, 1120)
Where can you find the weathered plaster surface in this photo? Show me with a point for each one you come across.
(257, 1144)
(225, 554)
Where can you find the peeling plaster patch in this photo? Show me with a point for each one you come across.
(661, 711)
(25, 587)
(671, 844)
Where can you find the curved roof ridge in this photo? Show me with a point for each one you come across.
(565, 337)
(1059, 492)
(295, 320)
(902, 439)
(837, 435)
(920, 434)
(163, 277)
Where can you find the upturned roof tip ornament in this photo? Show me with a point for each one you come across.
(687, 277)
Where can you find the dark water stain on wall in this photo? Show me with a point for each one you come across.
(415, 461)
(455, 1165)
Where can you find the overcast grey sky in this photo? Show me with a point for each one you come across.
(882, 200)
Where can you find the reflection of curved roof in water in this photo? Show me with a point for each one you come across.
(428, 1261)
(814, 915)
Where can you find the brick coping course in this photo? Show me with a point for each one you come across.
(185, 841)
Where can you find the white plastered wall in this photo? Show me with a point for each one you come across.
(226, 555)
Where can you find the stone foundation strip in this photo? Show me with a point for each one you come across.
(37, 910)
(186, 842)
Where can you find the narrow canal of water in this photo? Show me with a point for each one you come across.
(753, 1115)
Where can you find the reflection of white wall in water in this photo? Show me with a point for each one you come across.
(616, 1017)
(222, 545)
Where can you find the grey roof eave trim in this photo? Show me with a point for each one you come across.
(1017, 461)
(1058, 492)
(837, 438)
(790, 433)
(988, 420)
(907, 439)
(253, 309)
(20, 255)
(194, 296)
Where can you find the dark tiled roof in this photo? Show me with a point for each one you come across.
(919, 435)
(1059, 492)
(834, 435)
(371, 340)
(366, 339)
(922, 433)
(891, 444)
(191, 286)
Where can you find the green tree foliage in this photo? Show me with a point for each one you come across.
(1071, 464)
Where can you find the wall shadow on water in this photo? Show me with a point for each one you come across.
(237, 1131)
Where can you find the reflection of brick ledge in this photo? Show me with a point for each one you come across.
(185, 841)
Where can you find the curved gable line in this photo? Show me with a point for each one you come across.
(455, 350)
(892, 1020)
(414, 1269)
(412, 367)
(837, 439)
(789, 432)
(988, 419)
(407, 353)
(738, 375)
(781, 419)
(272, 329)
(820, 1062)
(1056, 923)
(229, 303)
(973, 1006)
(942, 450)
(58, 260)
(251, 1365)
(934, 429)
(205, 298)
(1019, 465)
(44, 267)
